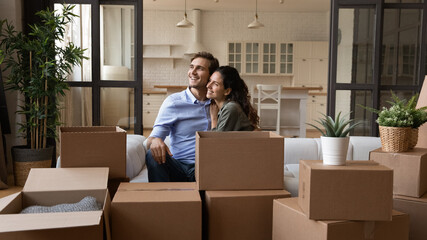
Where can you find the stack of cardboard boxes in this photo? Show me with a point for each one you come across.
(238, 175)
(409, 186)
(341, 202)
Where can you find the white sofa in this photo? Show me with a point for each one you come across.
(295, 150)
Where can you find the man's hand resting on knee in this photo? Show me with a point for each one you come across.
(158, 149)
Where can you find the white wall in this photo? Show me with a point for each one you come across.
(12, 11)
(217, 29)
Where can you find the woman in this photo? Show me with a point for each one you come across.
(230, 109)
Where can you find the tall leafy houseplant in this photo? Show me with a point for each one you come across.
(334, 138)
(38, 70)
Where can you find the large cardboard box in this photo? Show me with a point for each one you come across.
(239, 160)
(417, 210)
(232, 215)
(410, 170)
(94, 147)
(360, 190)
(156, 212)
(48, 187)
(422, 131)
(290, 223)
(157, 186)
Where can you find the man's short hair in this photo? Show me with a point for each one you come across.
(213, 62)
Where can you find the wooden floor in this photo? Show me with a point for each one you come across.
(146, 132)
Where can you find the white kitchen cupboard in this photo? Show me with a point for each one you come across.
(151, 102)
(311, 64)
(316, 106)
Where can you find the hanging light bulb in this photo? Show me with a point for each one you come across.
(255, 24)
(185, 23)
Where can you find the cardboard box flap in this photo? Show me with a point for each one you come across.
(91, 129)
(157, 186)
(238, 135)
(157, 196)
(5, 201)
(64, 179)
(26, 222)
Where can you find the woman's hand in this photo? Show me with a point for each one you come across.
(213, 108)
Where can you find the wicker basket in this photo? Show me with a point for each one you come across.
(395, 139)
(413, 140)
(22, 169)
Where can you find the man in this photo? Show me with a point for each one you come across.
(180, 116)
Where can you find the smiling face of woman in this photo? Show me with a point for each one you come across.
(216, 88)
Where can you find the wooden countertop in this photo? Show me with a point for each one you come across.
(153, 92)
(171, 86)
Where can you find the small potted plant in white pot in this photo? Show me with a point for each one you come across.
(335, 138)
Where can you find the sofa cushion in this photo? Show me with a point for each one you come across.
(301, 148)
(135, 155)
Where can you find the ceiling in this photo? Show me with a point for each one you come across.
(241, 5)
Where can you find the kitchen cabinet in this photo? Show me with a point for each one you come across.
(311, 64)
(151, 102)
(316, 106)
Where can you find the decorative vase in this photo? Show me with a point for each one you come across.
(25, 158)
(395, 139)
(413, 140)
(334, 150)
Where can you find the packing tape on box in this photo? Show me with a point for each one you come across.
(369, 229)
(161, 189)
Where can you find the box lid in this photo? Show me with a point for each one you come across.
(248, 193)
(151, 196)
(350, 166)
(238, 134)
(157, 186)
(65, 179)
(26, 222)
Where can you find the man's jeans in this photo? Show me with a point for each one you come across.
(171, 171)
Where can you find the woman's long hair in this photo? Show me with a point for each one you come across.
(239, 92)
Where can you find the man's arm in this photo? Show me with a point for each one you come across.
(158, 149)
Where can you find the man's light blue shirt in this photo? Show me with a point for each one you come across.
(180, 116)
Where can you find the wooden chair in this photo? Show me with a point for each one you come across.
(269, 97)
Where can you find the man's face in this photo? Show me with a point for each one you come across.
(198, 74)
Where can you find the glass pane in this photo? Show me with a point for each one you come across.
(231, 57)
(283, 48)
(265, 58)
(282, 68)
(239, 67)
(255, 48)
(273, 48)
(116, 42)
(349, 99)
(238, 47)
(385, 96)
(238, 58)
(231, 47)
(265, 68)
(255, 57)
(282, 58)
(290, 48)
(289, 67)
(117, 107)
(272, 58)
(272, 68)
(76, 107)
(404, 1)
(248, 47)
(80, 37)
(355, 46)
(255, 68)
(400, 64)
(290, 58)
(266, 47)
(248, 68)
(248, 58)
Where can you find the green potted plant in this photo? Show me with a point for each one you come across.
(399, 123)
(334, 138)
(38, 69)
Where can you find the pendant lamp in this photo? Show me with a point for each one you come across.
(255, 24)
(185, 23)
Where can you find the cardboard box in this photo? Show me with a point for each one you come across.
(157, 186)
(48, 187)
(240, 214)
(361, 190)
(417, 210)
(156, 213)
(410, 170)
(422, 131)
(289, 222)
(239, 160)
(94, 147)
